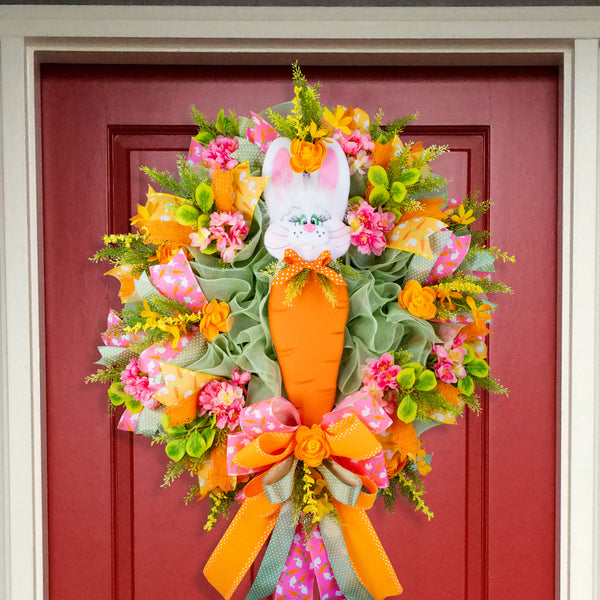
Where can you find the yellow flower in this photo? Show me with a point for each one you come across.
(144, 214)
(307, 156)
(445, 295)
(463, 217)
(419, 301)
(317, 133)
(312, 445)
(215, 319)
(342, 118)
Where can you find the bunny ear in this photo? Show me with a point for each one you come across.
(329, 172)
(282, 171)
(277, 160)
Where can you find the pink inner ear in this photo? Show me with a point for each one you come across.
(328, 173)
(282, 171)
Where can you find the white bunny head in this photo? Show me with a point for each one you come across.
(307, 210)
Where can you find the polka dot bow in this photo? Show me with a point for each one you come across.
(297, 264)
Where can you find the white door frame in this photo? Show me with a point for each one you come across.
(29, 35)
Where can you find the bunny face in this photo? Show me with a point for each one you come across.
(306, 209)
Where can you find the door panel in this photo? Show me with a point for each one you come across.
(112, 531)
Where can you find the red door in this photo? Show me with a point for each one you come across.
(112, 531)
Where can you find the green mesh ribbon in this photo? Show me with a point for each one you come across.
(376, 324)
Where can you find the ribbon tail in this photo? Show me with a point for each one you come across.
(370, 562)
(240, 545)
(274, 560)
(346, 578)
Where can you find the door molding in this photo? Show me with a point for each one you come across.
(30, 35)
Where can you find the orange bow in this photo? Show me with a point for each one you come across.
(255, 520)
(297, 264)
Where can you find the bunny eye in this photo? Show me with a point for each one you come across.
(299, 220)
(315, 220)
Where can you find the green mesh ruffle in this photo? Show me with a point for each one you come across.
(376, 324)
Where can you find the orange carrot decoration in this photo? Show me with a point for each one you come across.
(308, 336)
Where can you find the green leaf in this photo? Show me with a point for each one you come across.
(187, 215)
(426, 381)
(415, 366)
(203, 221)
(195, 445)
(470, 354)
(466, 385)
(204, 136)
(478, 368)
(410, 177)
(209, 436)
(407, 410)
(378, 176)
(165, 420)
(176, 449)
(133, 406)
(116, 394)
(210, 249)
(379, 195)
(398, 192)
(204, 197)
(221, 122)
(406, 378)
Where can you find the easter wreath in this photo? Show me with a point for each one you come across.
(301, 303)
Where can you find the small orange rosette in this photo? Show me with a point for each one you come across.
(306, 156)
(418, 301)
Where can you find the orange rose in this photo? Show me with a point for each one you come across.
(165, 252)
(215, 319)
(307, 156)
(394, 465)
(311, 445)
(419, 301)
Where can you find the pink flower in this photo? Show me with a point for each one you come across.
(360, 163)
(138, 385)
(227, 229)
(354, 142)
(382, 372)
(443, 371)
(368, 227)
(224, 399)
(450, 355)
(218, 153)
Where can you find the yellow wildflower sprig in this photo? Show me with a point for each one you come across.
(415, 495)
(125, 239)
(216, 509)
(315, 501)
(461, 285)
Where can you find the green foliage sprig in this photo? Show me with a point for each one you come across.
(129, 249)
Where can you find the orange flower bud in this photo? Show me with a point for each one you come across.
(312, 445)
(215, 319)
(307, 156)
(418, 301)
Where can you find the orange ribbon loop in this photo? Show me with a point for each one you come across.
(298, 264)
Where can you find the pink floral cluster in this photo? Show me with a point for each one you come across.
(382, 373)
(218, 153)
(450, 355)
(368, 227)
(138, 385)
(357, 146)
(224, 399)
(227, 229)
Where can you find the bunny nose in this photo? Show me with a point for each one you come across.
(310, 227)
